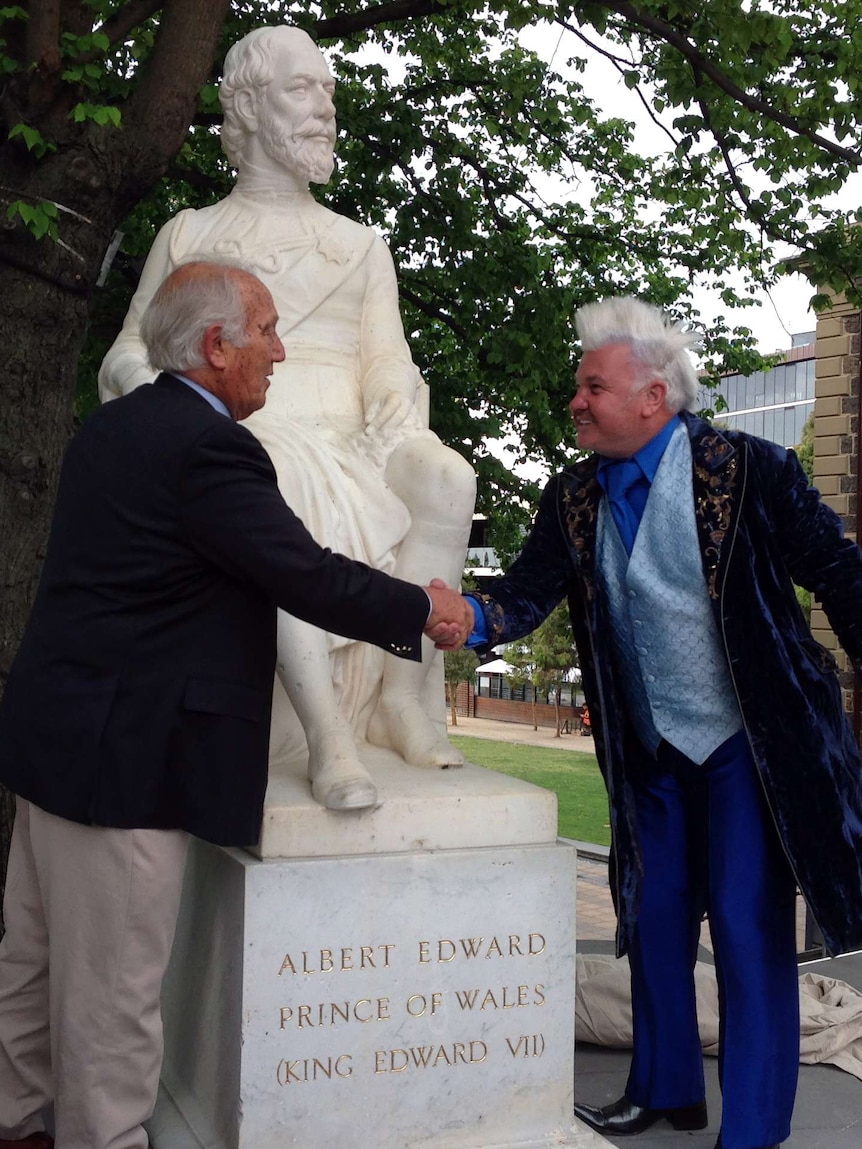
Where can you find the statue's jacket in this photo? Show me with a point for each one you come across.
(760, 529)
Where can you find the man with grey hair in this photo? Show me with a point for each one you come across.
(346, 420)
(731, 770)
(137, 709)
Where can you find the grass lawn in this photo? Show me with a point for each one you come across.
(574, 777)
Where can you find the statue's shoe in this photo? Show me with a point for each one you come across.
(343, 784)
(623, 1117)
(404, 726)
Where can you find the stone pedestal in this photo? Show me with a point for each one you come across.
(415, 996)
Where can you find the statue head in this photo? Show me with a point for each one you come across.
(277, 100)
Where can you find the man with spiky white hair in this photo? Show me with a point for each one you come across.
(732, 773)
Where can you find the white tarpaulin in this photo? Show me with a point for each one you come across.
(831, 1012)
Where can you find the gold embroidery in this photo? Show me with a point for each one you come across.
(713, 502)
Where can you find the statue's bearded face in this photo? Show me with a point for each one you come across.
(307, 151)
(296, 115)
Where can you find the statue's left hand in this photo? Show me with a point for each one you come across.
(391, 410)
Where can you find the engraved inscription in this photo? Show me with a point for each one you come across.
(334, 1012)
(514, 945)
(306, 1069)
(337, 959)
(430, 1056)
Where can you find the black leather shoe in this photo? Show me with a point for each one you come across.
(624, 1116)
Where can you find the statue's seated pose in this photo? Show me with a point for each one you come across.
(345, 420)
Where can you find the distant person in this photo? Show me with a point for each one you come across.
(732, 772)
(586, 726)
(137, 710)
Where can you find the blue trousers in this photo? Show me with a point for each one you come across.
(709, 844)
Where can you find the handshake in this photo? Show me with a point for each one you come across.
(451, 620)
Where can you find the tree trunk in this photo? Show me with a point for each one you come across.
(452, 687)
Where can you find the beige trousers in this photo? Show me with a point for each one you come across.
(90, 915)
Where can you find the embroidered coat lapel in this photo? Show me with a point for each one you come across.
(717, 471)
(580, 510)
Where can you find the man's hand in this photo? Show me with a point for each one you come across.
(451, 621)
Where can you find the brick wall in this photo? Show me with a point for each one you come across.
(836, 430)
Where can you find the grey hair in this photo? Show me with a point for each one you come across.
(248, 66)
(184, 306)
(660, 346)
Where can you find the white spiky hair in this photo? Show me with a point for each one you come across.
(659, 344)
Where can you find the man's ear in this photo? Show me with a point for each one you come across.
(212, 346)
(655, 396)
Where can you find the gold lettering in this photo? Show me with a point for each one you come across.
(424, 959)
(489, 999)
(494, 948)
(528, 1045)
(466, 997)
(312, 1069)
(343, 959)
(539, 941)
(440, 951)
(539, 991)
(471, 946)
(326, 1013)
(430, 1056)
(515, 945)
(363, 1001)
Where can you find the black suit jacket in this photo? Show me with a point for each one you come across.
(141, 693)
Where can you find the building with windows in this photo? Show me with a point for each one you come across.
(772, 404)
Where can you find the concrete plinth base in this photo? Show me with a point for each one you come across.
(380, 1002)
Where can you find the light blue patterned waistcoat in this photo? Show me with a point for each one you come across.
(665, 641)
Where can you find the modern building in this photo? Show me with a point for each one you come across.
(772, 404)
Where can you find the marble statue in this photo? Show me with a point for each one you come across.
(345, 421)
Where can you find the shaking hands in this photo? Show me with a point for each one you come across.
(451, 620)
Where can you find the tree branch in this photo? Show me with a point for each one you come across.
(666, 32)
(621, 66)
(391, 12)
(120, 23)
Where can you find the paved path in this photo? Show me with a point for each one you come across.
(521, 733)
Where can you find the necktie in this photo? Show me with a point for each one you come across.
(628, 489)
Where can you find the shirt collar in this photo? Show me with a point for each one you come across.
(646, 459)
(213, 400)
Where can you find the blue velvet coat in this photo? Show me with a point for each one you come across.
(761, 527)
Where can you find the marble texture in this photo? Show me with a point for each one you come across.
(390, 1001)
(420, 809)
(346, 416)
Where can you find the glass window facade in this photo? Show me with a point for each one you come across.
(772, 404)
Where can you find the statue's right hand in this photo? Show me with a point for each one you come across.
(391, 410)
